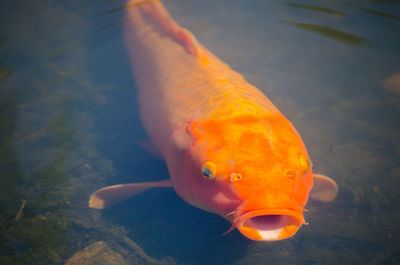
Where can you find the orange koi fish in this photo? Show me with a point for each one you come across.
(228, 149)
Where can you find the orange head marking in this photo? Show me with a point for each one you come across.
(254, 171)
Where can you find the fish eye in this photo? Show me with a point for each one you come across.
(209, 170)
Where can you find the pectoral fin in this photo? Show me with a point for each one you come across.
(110, 195)
(324, 189)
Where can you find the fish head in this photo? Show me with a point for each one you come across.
(255, 172)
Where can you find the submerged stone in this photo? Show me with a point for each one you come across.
(98, 253)
(391, 87)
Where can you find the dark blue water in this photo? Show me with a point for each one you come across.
(69, 125)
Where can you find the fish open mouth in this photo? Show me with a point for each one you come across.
(269, 225)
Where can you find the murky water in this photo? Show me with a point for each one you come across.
(69, 125)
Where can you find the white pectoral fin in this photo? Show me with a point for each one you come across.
(324, 189)
(110, 195)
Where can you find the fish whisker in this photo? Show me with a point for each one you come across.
(231, 213)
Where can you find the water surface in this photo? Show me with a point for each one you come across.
(69, 125)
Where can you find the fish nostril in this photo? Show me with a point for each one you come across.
(236, 177)
(291, 173)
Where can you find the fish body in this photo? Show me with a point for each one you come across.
(228, 148)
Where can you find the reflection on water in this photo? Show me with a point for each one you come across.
(317, 8)
(329, 32)
(69, 125)
(382, 14)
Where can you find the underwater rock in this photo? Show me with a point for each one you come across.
(391, 87)
(4, 73)
(98, 253)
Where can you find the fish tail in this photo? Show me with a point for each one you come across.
(158, 16)
(132, 3)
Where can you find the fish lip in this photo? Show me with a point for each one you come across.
(269, 224)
